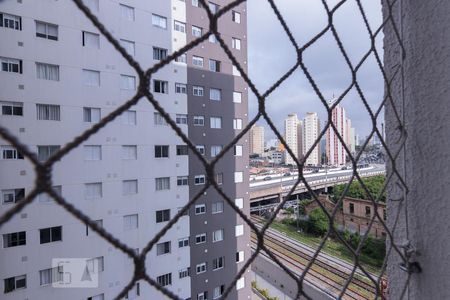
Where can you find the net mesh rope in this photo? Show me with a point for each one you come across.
(43, 170)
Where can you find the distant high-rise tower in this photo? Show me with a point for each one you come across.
(311, 131)
(291, 137)
(336, 154)
(256, 139)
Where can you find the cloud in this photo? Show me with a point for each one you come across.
(271, 54)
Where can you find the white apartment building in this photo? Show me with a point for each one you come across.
(59, 77)
(336, 154)
(257, 139)
(311, 131)
(291, 135)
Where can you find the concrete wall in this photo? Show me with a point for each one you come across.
(425, 162)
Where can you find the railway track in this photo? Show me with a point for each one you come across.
(359, 288)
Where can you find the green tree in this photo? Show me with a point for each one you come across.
(318, 222)
(374, 186)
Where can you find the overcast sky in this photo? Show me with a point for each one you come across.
(271, 55)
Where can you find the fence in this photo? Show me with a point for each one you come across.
(394, 177)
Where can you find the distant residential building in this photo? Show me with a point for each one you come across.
(300, 140)
(336, 154)
(311, 132)
(277, 157)
(256, 140)
(291, 124)
(352, 139)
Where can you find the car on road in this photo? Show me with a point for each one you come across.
(267, 178)
(287, 174)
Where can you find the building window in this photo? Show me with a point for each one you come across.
(11, 65)
(161, 151)
(182, 150)
(196, 31)
(93, 152)
(367, 211)
(49, 276)
(51, 234)
(237, 150)
(162, 215)
(351, 207)
(159, 53)
(130, 222)
(48, 112)
(199, 180)
(129, 187)
(218, 263)
(197, 91)
(184, 273)
(212, 39)
(162, 183)
(202, 296)
(197, 61)
(159, 119)
(219, 178)
(129, 152)
(91, 40)
(95, 265)
(10, 21)
(91, 114)
(93, 190)
(215, 122)
(14, 239)
(217, 235)
(163, 248)
(129, 117)
(213, 7)
(201, 268)
(15, 283)
(179, 26)
(236, 43)
(384, 214)
(44, 152)
(165, 279)
(200, 149)
(238, 177)
(196, 3)
(200, 209)
(159, 21)
(215, 150)
(217, 207)
(239, 256)
(134, 292)
(99, 223)
(12, 195)
(184, 242)
(9, 152)
(182, 58)
(239, 202)
(91, 78)
(237, 124)
(236, 17)
(200, 238)
(240, 284)
(214, 65)
(199, 121)
(237, 97)
(93, 6)
(46, 30)
(181, 119)
(12, 108)
(180, 88)
(160, 86)
(45, 198)
(235, 71)
(218, 291)
(127, 12)
(182, 180)
(215, 94)
(239, 230)
(127, 82)
(129, 46)
(47, 71)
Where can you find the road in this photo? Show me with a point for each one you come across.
(260, 184)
